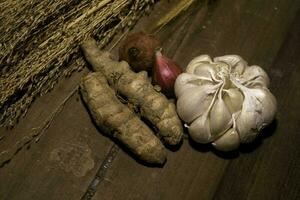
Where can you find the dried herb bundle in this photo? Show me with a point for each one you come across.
(39, 42)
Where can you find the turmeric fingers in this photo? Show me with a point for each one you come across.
(139, 91)
(119, 121)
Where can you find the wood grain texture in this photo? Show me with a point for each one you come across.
(29, 128)
(73, 160)
(182, 177)
(62, 163)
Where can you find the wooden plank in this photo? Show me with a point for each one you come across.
(180, 178)
(12, 140)
(253, 29)
(273, 172)
(62, 163)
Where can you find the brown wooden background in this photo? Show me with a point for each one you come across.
(72, 160)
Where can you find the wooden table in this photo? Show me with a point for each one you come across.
(73, 160)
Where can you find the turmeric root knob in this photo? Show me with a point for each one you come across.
(153, 105)
(118, 121)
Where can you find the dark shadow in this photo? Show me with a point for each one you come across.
(174, 148)
(250, 147)
(26, 145)
(226, 155)
(5, 163)
(200, 147)
(211, 2)
(204, 148)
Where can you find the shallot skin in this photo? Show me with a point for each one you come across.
(138, 50)
(165, 73)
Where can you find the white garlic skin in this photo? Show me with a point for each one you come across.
(224, 101)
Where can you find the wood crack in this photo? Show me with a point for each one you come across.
(8, 154)
(102, 171)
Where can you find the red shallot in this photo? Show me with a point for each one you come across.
(165, 72)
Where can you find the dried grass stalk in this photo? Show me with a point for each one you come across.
(39, 43)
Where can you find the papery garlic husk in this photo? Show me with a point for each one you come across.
(224, 101)
(257, 112)
(165, 73)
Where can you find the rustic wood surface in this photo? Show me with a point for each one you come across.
(73, 160)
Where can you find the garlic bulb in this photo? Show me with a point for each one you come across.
(224, 101)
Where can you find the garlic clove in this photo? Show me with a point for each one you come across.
(203, 67)
(246, 121)
(255, 76)
(195, 102)
(233, 99)
(200, 81)
(229, 141)
(249, 117)
(206, 70)
(239, 68)
(246, 132)
(196, 61)
(258, 110)
(184, 82)
(220, 118)
(237, 63)
(199, 130)
(231, 60)
(269, 106)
